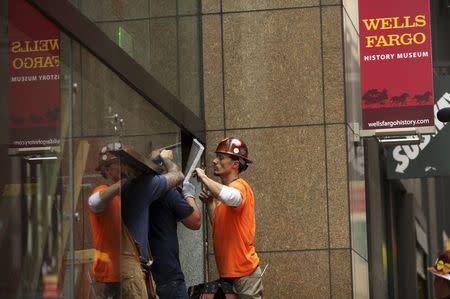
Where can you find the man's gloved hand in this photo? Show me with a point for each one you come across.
(188, 190)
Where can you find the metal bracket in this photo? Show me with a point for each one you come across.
(356, 132)
(116, 121)
(48, 150)
(396, 136)
(401, 140)
(75, 87)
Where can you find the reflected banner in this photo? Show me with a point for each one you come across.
(396, 65)
(34, 97)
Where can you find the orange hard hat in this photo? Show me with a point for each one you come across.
(234, 147)
(112, 152)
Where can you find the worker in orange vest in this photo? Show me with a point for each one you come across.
(231, 208)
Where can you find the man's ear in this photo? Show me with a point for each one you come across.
(236, 164)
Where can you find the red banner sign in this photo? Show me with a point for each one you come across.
(34, 103)
(396, 64)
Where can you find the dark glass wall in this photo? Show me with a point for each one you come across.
(162, 36)
(46, 243)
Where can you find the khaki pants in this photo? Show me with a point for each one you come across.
(134, 279)
(249, 287)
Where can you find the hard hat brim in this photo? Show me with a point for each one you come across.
(235, 155)
(433, 271)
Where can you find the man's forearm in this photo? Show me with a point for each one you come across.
(194, 220)
(213, 186)
(228, 195)
(107, 194)
(170, 165)
(100, 200)
(193, 204)
(174, 176)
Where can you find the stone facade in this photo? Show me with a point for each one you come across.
(273, 74)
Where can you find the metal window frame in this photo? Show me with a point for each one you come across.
(79, 27)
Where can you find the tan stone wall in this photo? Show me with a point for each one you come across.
(274, 76)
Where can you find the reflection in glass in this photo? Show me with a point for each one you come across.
(162, 36)
(49, 241)
(357, 189)
(34, 198)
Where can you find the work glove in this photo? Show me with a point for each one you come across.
(188, 190)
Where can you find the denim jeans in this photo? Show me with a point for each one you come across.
(172, 290)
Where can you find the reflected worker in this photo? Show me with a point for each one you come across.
(104, 216)
(231, 208)
(137, 193)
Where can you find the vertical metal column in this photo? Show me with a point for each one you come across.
(71, 254)
(407, 278)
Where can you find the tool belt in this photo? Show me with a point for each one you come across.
(131, 248)
(219, 289)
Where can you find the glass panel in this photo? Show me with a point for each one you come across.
(162, 36)
(35, 154)
(145, 128)
(53, 244)
(357, 189)
(360, 271)
(105, 108)
(96, 228)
